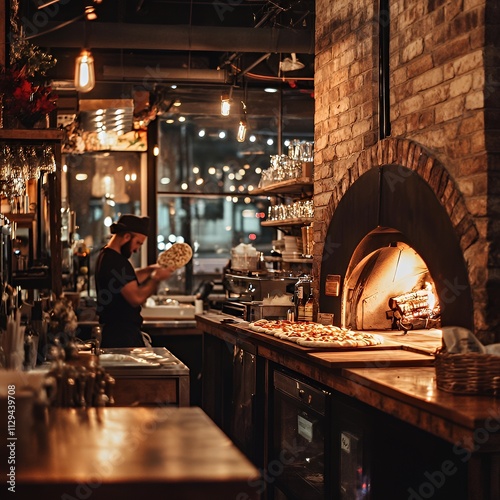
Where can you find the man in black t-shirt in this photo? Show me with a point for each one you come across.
(120, 289)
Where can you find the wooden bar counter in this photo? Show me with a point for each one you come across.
(128, 453)
(393, 390)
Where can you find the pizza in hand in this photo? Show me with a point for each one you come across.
(177, 256)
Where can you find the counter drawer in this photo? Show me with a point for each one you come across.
(159, 391)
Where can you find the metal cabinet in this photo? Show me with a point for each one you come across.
(233, 392)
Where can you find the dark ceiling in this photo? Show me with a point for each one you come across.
(204, 48)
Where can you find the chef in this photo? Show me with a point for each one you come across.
(121, 289)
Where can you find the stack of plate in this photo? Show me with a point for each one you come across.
(291, 250)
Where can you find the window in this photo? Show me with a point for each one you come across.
(96, 189)
(204, 198)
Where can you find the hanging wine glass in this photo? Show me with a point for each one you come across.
(48, 161)
(33, 163)
(19, 163)
(5, 162)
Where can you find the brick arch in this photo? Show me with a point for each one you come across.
(363, 202)
(415, 157)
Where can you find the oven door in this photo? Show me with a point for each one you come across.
(301, 449)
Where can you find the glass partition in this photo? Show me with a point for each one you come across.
(97, 188)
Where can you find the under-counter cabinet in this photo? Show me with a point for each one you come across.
(326, 445)
(379, 457)
(301, 457)
(233, 395)
(347, 429)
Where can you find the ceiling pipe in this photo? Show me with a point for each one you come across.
(255, 63)
(178, 37)
(138, 73)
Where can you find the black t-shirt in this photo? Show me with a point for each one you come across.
(122, 322)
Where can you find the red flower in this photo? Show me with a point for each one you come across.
(22, 98)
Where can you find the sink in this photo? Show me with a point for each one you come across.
(126, 360)
(169, 311)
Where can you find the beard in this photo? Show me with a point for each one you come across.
(125, 250)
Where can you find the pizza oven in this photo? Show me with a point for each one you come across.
(391, 247)
(390, 288)
(406, 151)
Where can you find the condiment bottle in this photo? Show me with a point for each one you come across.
(309, 307)
(302, 288)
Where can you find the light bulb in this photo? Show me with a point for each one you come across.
(225, 105)
(242, 131)
(84, 71)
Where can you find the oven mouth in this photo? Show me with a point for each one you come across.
(390, 288)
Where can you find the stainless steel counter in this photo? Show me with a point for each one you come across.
(135, 361)
(157, 378)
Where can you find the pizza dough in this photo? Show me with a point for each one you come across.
(310, 334)
(177, 256)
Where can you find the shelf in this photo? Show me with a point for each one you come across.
(37, 134)
(301, 221)
(47, 218)
(304, 260)
(21, 219)
(289, 186)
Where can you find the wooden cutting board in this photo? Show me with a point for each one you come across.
(241, 327)
(371, 359)
(424, 341)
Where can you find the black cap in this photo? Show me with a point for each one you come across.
(129, 223)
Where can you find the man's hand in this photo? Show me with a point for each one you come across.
(161, 273)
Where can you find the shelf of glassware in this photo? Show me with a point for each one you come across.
(290, 186)
(40, 136)
(300, 221)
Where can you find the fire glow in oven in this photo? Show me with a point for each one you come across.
(390, 289)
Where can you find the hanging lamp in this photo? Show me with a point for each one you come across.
(84, 71)
(84, 64)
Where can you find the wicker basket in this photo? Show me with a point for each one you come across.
(471, 373)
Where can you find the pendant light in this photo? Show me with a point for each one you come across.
(84, 71)
(242, 126)
(225, 102)
(242, 130)
(84, 64)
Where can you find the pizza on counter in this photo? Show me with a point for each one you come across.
(310, 334)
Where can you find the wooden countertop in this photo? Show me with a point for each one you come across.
(382, 358)
(411, 394)
(417, 386)
(129, 453)
(399, 381)
(391, 353)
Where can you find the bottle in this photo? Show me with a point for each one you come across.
(30, 347)
(302, 288)
(309, 307)
(40, 327)
(297, 298)
(96, 336)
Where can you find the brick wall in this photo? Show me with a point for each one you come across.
(443, 69)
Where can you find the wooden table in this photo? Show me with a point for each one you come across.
(128, 453)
